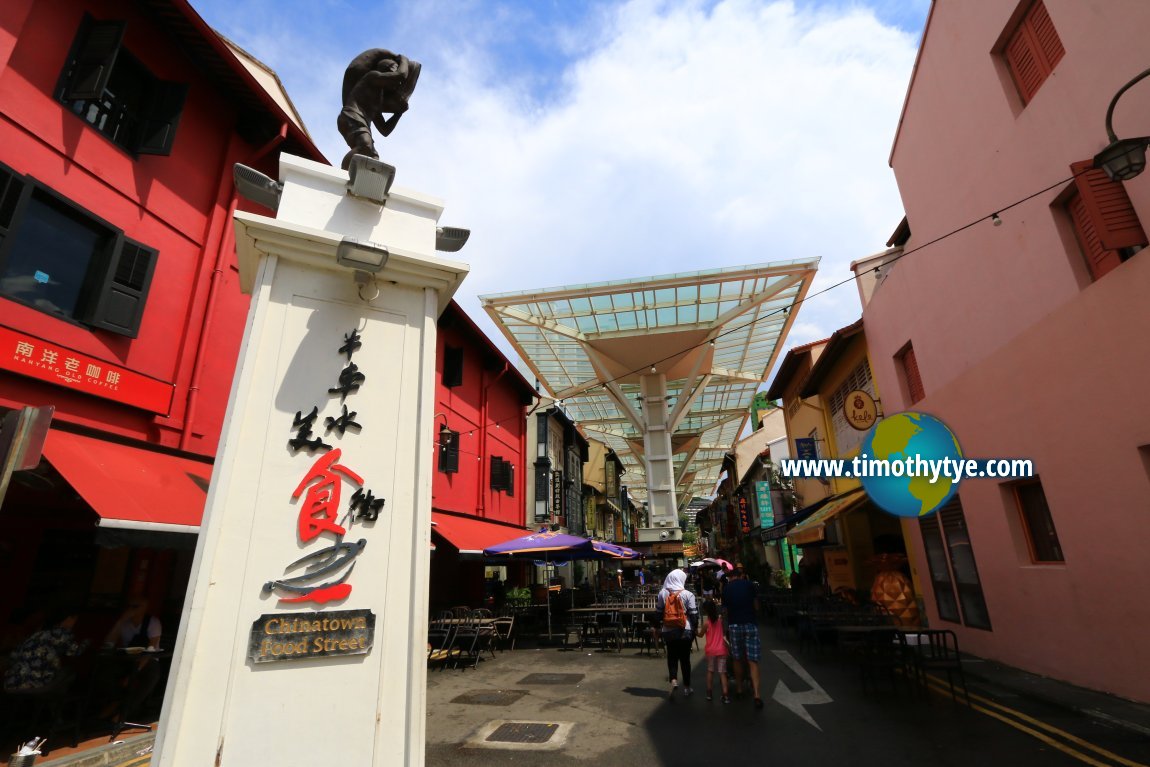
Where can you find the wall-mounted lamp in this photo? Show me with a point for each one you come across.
(257, 187)
(1123, 159)
(369, 179)
(364, 256)
(995, 219)
(450, 239)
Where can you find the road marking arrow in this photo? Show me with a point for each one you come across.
(795, 701)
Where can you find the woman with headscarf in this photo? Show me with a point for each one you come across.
(680, 618)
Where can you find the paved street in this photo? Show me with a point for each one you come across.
(619, 713)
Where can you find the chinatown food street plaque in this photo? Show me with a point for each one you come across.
(292, 636)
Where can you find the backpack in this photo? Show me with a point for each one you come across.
(674, 614)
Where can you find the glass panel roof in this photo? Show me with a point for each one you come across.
(741, 313)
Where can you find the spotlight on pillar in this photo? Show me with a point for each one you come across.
(257, 187)
(1123, 159)
(362, 256)
(449, 239)
(369, 179)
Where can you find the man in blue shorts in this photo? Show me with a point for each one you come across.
(741, 605)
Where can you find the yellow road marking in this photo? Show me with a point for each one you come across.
(937, 685)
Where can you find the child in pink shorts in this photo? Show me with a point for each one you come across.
(715, 648)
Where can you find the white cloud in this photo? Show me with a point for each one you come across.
(682, 136)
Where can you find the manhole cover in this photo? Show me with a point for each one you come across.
(490, 697)
(523, 732)
(552, 679)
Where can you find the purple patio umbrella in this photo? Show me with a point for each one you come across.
(614, 550)
(548, 546)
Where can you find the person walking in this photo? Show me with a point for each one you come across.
(715, 648)
(680, 617)
(741, 604)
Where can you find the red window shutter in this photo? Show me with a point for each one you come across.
(1024, 66)
(1045, 36)
(1108, 206)
(913, 379)
(1033, 51)
(1098, 259)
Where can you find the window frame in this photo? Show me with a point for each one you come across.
(150, 125)
(452, 375)
(911, 374)
(1032, 42)
(94, 303)
(1028, 526)
(940, 532)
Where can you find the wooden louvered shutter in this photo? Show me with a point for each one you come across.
(1109, 207)
(498, 476)
(449, 452)
(159, 126)
(913, 379)
(1098, 259)
(119, 306)
(1033, 51)
(94, 55)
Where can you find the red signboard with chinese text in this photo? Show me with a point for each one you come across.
(30, 356)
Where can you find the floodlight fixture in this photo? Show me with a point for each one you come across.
(450, 239)
(369, 179)
(257, 187)
(362, 256)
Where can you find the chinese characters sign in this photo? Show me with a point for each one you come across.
(325, 571)
(744, 515)
(30, 356)
(763, 501)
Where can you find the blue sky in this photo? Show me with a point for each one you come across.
(587, 141)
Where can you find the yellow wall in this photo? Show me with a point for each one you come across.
(802, 417)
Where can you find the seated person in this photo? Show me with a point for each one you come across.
(36, 665)
(135, 627)
(136, 679)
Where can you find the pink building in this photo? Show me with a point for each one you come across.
(1029, 336)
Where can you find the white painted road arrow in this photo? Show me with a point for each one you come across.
(796, 701)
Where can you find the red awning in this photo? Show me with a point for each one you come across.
(471, 535)
(131, 487)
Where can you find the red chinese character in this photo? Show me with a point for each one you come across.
(318, 512)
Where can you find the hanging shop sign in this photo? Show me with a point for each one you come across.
(34, 357)
(279, 637)
(805, 448)
(557, 493)
(763, 501)
(744, 515)
(325, 571)
(860, 410)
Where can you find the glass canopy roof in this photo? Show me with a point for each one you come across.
(715, 334)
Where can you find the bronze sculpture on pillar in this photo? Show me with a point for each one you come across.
(376, 82)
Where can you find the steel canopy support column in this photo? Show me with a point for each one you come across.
(661, 506)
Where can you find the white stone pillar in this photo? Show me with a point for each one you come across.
(256, 679)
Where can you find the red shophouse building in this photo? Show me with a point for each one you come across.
(120, 123)
(477, 494)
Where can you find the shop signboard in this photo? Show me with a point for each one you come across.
(805, 448)
(763, 501)
(30, 356)
(280, 636)
(744, 515)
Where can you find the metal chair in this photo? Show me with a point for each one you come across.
(937, 650)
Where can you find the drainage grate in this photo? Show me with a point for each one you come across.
(523, 732)
(552, 679)
(490, 697)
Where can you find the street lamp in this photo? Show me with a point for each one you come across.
(1123, 159)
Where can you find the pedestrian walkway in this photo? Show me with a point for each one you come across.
(549, 707)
